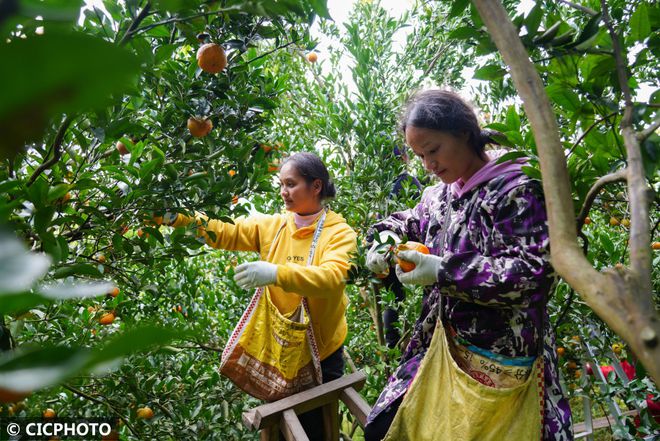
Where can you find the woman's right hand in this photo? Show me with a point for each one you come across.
(377, 257)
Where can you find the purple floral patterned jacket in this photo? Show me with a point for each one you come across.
(494, 283)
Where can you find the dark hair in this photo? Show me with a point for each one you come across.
(446, 111)
(311, 168)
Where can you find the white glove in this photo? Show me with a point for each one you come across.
(255, 274)
(426, 269)
(377, 258)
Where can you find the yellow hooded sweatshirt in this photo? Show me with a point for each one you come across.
(322, 282)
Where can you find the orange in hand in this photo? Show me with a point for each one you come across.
(409, 246)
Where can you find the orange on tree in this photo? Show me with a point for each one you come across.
(561, 351)
(49, 413)
(107, 318)
(617, 348)
(211, 58)
(112, 436)
(145, 413)
(12, 396)
(234, 200)
(101, 258)
(312, 57)
(273, 167)
(141, 233)
(572, 365)
(121, 148)
(614, 221)
(231, 173)
(266, 148)
(409, 246)
(64, 199)
(114, 292)
(199, 127)
(655, 245)
(587, 220)
(625, 222)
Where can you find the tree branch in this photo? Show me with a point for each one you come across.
(641, 136)
(579, 7)
(144, 13)
(265, 54)
(174, 20)
(640, 194)
(586, 132)
(435, 59)
(618, 176)
(56, 147)
(96, 400)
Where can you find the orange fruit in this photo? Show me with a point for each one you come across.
(49, 413)
(121, 148)
(141, 233)
(655, 245)
(561, 351)
(112, 436)
(266, 148)
(273, 167)
(145, 413)
(114, 292)
(614, 221)
(617, 348)
(571, 365)
(234, 200)
(12, 396)
(587, 220)
(414, 246)
(312, 57)
(199, 127)
(211, 58)
(231, 173)
(91, 309)
(576, 338)
(625, 222)
(179, 308)
(577, 374)
(65, 198)
(101, 258)
(106, 319)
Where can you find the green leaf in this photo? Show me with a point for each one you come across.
(136, 340)
(464, 33)
(19, 269)
(531, 172)
(64, 290)
(458, 8)
(533, 19)
(640, 26)
(19, 303)
(80, 269)
(33, 369)
(321, 8)
(489, 72)
(57, 192)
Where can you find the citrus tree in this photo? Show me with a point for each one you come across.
(112, 117)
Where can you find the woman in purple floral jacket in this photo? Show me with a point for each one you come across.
(488, 272)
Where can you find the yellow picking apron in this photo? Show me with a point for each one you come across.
(444, 403)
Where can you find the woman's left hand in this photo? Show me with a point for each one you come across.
(255, 274)
(426, 268)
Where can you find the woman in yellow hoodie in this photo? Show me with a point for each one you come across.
(304, 185)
